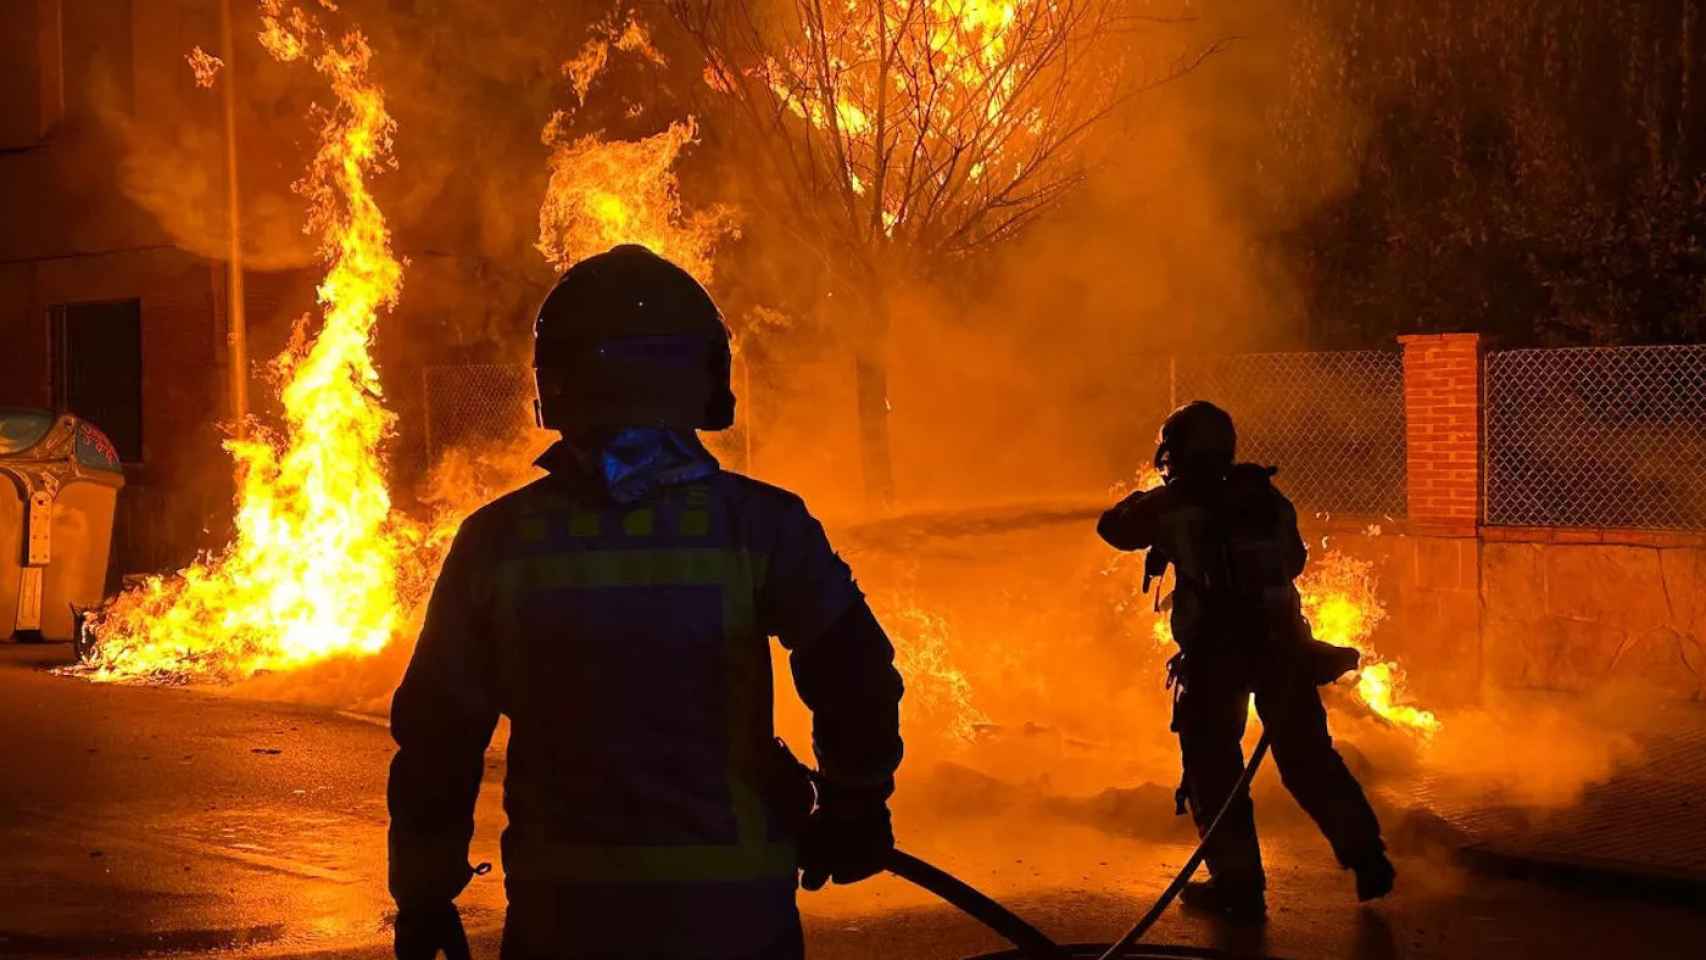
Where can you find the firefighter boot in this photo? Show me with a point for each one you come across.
(1375, 878)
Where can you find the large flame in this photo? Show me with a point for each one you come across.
(607, 192)
(320, 565)
(1342, 605)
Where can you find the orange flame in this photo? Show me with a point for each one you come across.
(320, 565)
(629, 37)
(603, 193)
(1340, 601)
(938, 692)
(205, 66)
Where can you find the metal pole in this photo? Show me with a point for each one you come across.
(236, 315)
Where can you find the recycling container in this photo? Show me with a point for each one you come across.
(59, 482)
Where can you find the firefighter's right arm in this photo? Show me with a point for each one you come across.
(1135, 522)
(842, 661)
(442, 717)
(848, 679)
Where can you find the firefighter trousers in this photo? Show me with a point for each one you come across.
(1209, 717)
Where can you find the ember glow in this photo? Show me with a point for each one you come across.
(939, 692)
(205, 66)
(320, 565)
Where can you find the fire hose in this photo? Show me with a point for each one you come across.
(1032, 943)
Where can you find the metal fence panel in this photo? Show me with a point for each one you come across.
(1332, 422)
(1597, 437)
(474, 404)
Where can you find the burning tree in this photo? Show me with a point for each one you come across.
(892, 137)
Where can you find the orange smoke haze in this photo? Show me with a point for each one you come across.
(1016, 380)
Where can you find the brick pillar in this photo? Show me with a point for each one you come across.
(1439, 586)
(1442, 412)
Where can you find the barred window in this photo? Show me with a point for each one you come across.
(97, 368)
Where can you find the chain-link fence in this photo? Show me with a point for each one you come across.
(1597, 437)
(474, 404)
(1332, 422)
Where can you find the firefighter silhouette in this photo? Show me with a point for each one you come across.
(1232, 540)
(618, 611)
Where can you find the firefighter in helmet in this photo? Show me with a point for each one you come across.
(618, 611)
(1233, 542)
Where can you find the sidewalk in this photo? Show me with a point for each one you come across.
(1641, 831)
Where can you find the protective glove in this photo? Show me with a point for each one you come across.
(423, 932)
(847, 838)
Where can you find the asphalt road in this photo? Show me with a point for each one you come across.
(142, 821)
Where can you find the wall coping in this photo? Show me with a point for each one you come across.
(1356, 524)
(1591, 535)
(1437, 337)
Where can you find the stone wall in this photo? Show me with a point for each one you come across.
(1582, 611)
(1570, 611)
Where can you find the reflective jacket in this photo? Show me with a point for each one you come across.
(1235, 549)
(627, 643)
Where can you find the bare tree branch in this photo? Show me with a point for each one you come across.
(904, 133)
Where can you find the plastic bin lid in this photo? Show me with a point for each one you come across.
(94, 450)
(22, 428)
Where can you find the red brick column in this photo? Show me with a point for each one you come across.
(1442, 407)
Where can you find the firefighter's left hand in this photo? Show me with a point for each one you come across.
(424, 932)
(845, 841)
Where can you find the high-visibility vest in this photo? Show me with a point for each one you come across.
(635, 668)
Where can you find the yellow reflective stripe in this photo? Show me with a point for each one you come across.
(584, 523)
(694, 523)
(638, 523)
(681, 566)
(533, 529)
(595, 863)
